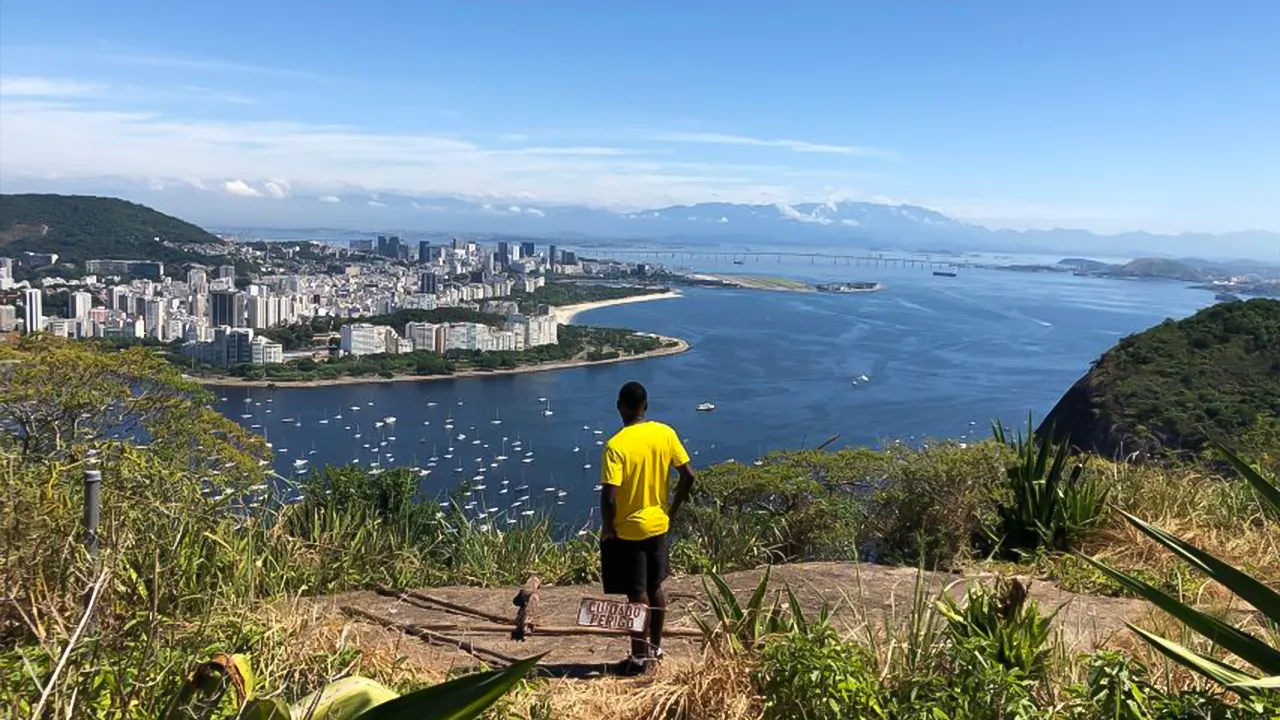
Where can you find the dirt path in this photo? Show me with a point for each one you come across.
(861, 595)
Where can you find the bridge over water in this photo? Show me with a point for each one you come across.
(765, 257)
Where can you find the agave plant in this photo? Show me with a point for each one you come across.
(1004, 621)
(1050, 506)
(1255, 651)
(351, 698)
(745, 627)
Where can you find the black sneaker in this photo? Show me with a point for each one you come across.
(631, 667)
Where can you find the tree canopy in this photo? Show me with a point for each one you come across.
(61, 399)
(81, 227)
(1178, 385)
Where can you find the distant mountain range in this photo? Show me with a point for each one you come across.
(844, 224)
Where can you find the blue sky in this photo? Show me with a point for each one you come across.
(1105, 115)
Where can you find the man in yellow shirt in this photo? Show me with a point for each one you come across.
(636, 510)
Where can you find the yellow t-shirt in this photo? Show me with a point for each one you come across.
(639, 460)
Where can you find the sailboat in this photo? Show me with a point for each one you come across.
(547, 411)
(497, 419)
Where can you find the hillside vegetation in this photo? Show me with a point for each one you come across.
(1178, 385)
(82, 227)
(200, 555)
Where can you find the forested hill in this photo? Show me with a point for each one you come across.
(81, 227)
(1178, 385)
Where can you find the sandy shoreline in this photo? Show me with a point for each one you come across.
(566, 313)
(680, 346)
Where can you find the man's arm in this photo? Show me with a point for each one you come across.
(608, 511)
(610, 481)
(683, 488)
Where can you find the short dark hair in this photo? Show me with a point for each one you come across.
(632, 397)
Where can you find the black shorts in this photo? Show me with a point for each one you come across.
(631, 567)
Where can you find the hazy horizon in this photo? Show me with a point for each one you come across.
(1083, 115)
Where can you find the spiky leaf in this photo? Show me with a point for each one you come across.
(1213, 669)
(463, 698)
(1247, 588)
(1245, 646)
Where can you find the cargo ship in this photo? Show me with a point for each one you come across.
(944, 273)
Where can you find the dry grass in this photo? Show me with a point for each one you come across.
(1219, 515)
(716, 686)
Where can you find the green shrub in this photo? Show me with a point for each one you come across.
(812, 674)
(1117, 688)
(785, 510)
(930, 507)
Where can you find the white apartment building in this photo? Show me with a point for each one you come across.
(265, 352)
(32, 310)
(79, 304)
(422, 336)
(154, 318)
(8, 318)
(394, 344)
(360, 339)
(541, 330)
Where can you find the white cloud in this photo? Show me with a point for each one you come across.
(276, 188)
(515, 209)
(376, 204)
(587, 150)
(47, 87)
(804, 146)
(51, 136)
(794, 214)
(535, 212)
(175, 62)
(241, 188)
(331, 199)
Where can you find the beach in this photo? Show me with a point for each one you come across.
(679, 347)
(565, 314)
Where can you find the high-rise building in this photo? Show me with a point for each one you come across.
(428, 283)
(504, 253)
(232, 346)
(226, 272)
(32, 310)
(389, 246)
(258, 312)
(79, 304)
(154, 318)
(527, 250)
(423, 335)
(424, 251)
(199, 305)
(197, 277)
(552, 257)
(365, 245)
(227, 307)
(8, 318)
(360, 339)
(118, 298)
(265, 352)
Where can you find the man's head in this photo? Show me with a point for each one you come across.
(633, 401)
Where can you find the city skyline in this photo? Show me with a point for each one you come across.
(1106, 118)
